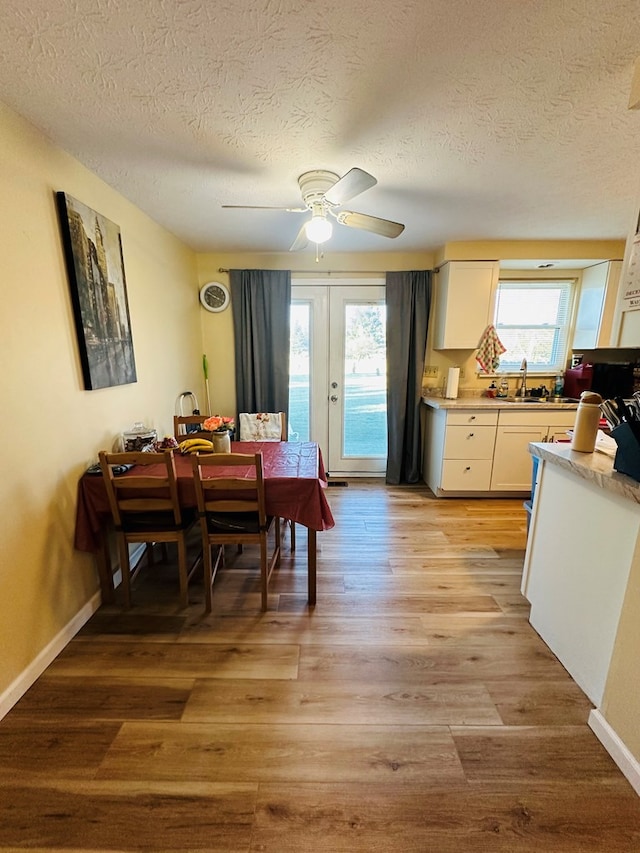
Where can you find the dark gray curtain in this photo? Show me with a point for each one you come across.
(260, 301)
(408, 301)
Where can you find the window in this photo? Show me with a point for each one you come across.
(532, 321)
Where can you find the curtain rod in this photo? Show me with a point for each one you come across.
(327, 272)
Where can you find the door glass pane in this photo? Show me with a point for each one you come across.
(299, 372)
(365, 381)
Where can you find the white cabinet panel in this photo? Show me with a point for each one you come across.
(576, 584)
(474, 442)
(512, 464)
(464, 295)
(541, 418)
(469, 418)
(464, 475)
(598, 293)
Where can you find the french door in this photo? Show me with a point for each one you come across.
(337, 384)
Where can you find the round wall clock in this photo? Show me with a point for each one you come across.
(214, 296)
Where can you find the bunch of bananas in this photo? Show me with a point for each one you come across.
(196, 445)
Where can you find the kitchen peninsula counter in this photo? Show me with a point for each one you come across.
(582, 578)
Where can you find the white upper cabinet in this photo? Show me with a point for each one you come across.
(464, 299)
(626, 320)
(596, 307)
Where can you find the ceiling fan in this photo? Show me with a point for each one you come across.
(322, 192)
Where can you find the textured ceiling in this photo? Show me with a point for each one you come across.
(500, 119)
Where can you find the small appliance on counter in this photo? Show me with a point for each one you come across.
(609, 379)
(577, 379)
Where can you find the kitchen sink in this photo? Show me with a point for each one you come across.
(549, 401)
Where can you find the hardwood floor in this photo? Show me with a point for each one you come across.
(414, 709)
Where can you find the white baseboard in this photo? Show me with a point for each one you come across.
(35, 669)
(628, 764)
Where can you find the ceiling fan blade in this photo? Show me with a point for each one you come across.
(356, 181)
(301, 240)
(265, 207)
(384, 227)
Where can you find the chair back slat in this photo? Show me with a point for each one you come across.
(139, 481)
(145, 505)
(221, 505)
(181, 422)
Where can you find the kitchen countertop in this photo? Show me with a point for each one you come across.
(492, 404)
(596, 467)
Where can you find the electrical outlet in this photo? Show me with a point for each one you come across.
(430, 370)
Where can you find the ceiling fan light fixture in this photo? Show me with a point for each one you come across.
(319, 229)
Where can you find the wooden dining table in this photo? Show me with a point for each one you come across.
(295, 483)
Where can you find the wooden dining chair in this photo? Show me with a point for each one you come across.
(266, 426)
(146, 509)
(189, 426)
(232, 512)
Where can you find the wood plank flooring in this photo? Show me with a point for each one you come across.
(414, 710)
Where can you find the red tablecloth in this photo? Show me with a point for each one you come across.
(294, 475)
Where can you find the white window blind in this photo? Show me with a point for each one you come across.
(532, 321)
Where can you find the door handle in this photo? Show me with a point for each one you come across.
(333, 398)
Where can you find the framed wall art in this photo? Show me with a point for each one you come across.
(95, 266)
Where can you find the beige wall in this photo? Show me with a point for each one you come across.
(54, 428)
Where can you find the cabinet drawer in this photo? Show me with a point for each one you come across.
(541, 418)
(472, 418)
(466, 475)
(469, 442)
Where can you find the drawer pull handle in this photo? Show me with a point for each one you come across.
(468, 468)
(470, 435)
(472, 418)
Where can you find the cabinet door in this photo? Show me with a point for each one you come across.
(598, 293)
(512, 463)
(464, 295)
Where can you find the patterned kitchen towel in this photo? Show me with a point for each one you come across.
(490, 349)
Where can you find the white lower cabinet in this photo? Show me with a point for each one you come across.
(459, 450)
(470, 451)
(512, 465)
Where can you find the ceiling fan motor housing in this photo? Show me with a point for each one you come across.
(313, 185)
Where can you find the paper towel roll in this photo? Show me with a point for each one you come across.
(453, 378)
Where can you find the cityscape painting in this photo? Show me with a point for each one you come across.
(95, 266)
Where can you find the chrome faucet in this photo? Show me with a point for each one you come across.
(522, 390)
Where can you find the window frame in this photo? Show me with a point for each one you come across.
(563, 324)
